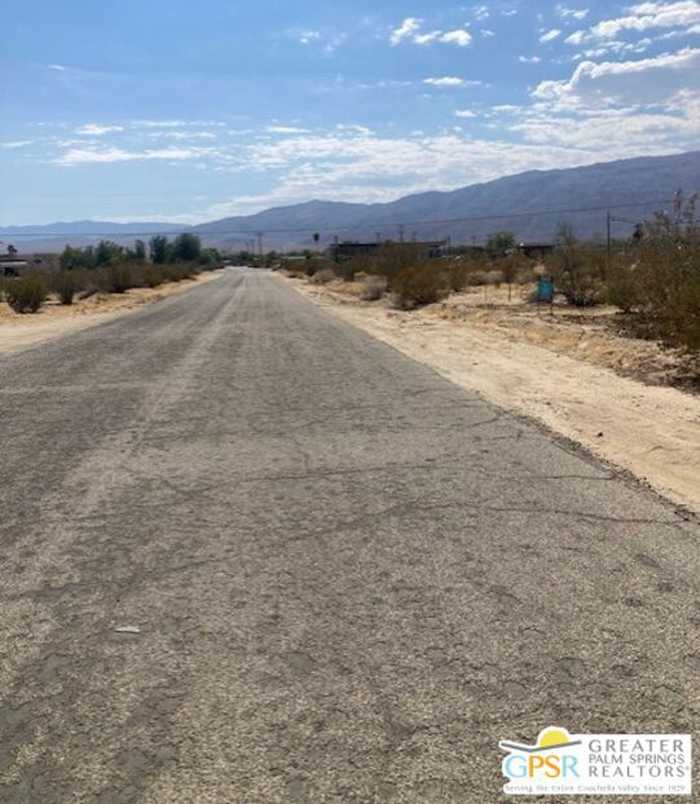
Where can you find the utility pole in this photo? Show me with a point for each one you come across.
(260, 243)
(609, 227)
(402, 232)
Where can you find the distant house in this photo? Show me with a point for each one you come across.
(535, 250)
(349, 249)
(12, 265)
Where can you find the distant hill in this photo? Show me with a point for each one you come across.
(509, 203)
(53, 237)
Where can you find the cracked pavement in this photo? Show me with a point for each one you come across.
(352, 578)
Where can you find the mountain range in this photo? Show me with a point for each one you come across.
(531, 204)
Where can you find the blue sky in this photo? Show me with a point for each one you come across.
(187, 112)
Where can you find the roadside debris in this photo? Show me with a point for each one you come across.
(128, 629)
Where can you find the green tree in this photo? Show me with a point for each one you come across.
(209, 256)
(565, 235)
(158, 247)
(186, 248)
(108, 251)
(138, 252)
(499, 243)
(71, 258)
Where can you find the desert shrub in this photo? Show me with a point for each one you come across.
(323, 277)
(348, 269)
(26, 294)
(625, 285)
(312, 265)
(294, 269)
(65, 284)
(458, 275)
(578, 273)
(515, 268)
(373, 288)
(153, 276)
(683, 315)
(477, 278)
(419, 284)
(177, 272)
(392, 259)
(668, 264)
(494, 277)
(117, 277)
(309, 267)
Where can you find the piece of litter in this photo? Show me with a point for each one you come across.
(128, 629)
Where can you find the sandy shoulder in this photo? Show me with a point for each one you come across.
(653, 432)
(54, 320)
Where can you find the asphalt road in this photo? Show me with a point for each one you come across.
(351, 577)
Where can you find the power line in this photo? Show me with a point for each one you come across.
(299, 230)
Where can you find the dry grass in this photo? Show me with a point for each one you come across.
(55, 319)
(599, 336)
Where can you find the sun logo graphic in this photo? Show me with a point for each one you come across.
(554, 758)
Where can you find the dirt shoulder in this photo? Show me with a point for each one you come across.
(55, 320)
(649, 430)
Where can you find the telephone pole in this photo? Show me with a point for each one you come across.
(260, 242)
(402, 232)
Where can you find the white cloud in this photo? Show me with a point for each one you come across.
(466, 113)
(407, 28)
(83, 156)
(693, 30)
(58, 67)
(410, 28)
(97, 130)
(376, 169)
(427, 38)
(458, 37)
(642, 17)
(286, 130)
(451, 81)
(183, 135)
(550, 36)
(354, 128)
(481, 12)
(177, 123)
(529, 59)
(616, 47)
(608, 83)
(572, 13)
(16, 143)
(487, 34)
(333, 42)
(306, 37)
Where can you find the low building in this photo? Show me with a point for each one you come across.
(535, 250)
(349, 249)
(16, 264)
(12, 266)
